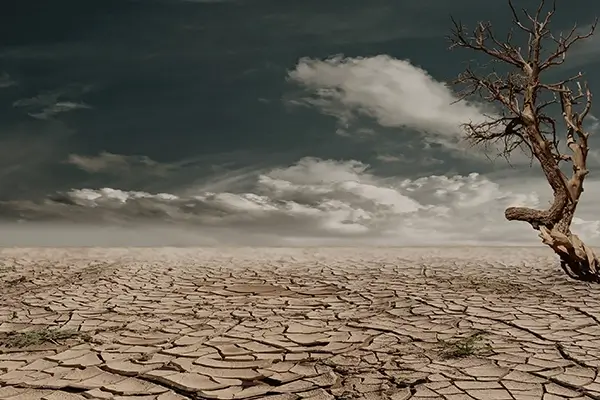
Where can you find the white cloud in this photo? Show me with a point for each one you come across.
(386, 158)
(57, 108)
(322, 202)
(117, 164)
(593, 124)
(420, 159)
(394, 92)
(48, 104)
(584, 52)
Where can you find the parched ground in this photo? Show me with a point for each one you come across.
(254, 323)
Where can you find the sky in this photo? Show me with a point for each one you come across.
(259, 122)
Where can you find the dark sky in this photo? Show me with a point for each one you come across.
(168, 95)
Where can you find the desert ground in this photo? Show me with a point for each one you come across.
(300, 323)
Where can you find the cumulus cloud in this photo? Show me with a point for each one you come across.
(116, 164)
(317, 202)
(394, 92)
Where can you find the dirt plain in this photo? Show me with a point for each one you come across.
(295, 323)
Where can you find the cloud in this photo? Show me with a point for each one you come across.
(422, 160)
(396, 94)
(215, 172)
(315, 202)
(51, 109)
(6, 81)
(393, 92)
(46, 105)
(118, 164)
(57, 108)
(585, 52)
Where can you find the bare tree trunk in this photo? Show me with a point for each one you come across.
(526, 99)
(576, 258)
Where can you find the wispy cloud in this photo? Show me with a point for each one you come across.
(6, 81)
(422, 159)
(585, 52)
(57, 108)
(205, 173)
(119, 164)
(48, 104)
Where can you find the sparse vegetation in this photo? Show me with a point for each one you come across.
(40, 336)
(466, 346)
(539, 114)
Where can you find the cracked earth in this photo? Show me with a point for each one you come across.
(279, 324)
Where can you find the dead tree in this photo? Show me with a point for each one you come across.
(534, 115)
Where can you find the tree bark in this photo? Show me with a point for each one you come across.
(577, 259)
(524, 95)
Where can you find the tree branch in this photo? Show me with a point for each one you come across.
(527, 121)
(564, 44)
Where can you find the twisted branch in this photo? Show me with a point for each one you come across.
(526, 120)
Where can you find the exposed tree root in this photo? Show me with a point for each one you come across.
(576, 258)
(525, 96)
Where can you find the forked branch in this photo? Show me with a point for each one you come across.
(536, 115)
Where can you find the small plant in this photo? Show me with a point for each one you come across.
(465, 347)
(40, 336)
